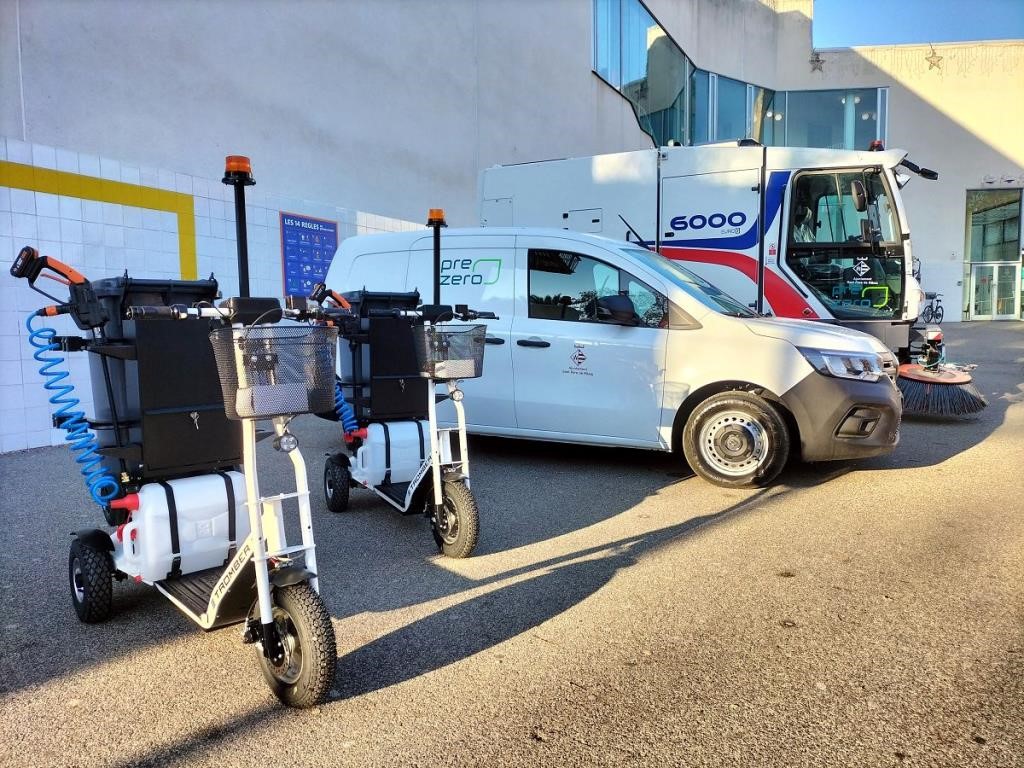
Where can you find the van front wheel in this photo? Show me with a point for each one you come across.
(735, 440)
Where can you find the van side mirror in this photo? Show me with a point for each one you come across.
(617, 309)
(860, 197)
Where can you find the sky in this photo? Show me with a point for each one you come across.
(843, 23)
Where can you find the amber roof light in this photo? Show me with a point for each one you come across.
(237, 164)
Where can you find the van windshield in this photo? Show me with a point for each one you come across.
(711, 297)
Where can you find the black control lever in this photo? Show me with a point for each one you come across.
(465, 313)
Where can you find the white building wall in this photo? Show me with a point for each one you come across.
(390, 106)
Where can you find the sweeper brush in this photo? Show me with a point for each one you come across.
(942, 390)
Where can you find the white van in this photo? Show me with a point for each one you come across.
(603, 342)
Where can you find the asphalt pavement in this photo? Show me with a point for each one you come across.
(619, 611)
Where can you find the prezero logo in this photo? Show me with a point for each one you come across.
(713, 220)
(470, 271)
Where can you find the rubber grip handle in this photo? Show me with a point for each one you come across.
(71, 274)
(145, 313)
(340, 300)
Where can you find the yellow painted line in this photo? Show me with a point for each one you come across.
(35, 179)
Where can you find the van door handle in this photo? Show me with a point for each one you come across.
(494, 340)
(533, 343)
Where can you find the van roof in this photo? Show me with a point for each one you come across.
(402, 240)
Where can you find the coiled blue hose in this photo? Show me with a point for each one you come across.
(346, 415)
(102, 485)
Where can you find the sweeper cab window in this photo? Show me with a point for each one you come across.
(844, 242)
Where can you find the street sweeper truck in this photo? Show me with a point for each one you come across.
(814, 234)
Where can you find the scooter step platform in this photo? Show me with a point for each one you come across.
(394, 491)
(194, 590)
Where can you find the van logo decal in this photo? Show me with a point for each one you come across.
(578, 358)
(470, 271)
(195, 419)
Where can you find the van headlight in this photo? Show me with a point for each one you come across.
(863, 366)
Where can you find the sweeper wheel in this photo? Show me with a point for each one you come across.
(941, 391)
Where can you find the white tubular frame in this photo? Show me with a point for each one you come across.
(252, 490)
(266, 519)
(305, 511)
(460, 414)
(435, 448)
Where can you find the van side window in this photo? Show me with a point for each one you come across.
(650, 305)
(565, 285)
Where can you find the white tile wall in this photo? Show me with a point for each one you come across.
(104, 239)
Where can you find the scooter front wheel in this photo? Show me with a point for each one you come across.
(456, 526)
(305, 674)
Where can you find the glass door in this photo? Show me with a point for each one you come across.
(994, 291)
(993, 251)
(1007, 302)
(982, 288)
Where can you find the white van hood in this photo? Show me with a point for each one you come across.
(816, 335)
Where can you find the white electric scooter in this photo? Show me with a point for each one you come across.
(413, 465)
(164, 467)
(267, 372)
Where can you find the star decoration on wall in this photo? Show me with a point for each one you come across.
(817, 63)
(934, 60)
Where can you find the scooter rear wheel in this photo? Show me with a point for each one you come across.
(456, 527)
(306, 673)
(337, 483)
(89, 575)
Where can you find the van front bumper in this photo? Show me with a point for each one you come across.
(844, 418)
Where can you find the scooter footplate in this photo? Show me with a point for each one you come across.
(195, 590)
(394, 491)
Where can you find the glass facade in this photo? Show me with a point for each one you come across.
(846, 119)
(700, 107)
(675, 101)
(635, 55)
(763, 115)
(994, 225)
(607, 24)
(731, 109)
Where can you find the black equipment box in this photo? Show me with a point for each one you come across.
(380, 377)
(162, 412)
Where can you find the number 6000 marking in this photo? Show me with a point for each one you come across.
(698, 221)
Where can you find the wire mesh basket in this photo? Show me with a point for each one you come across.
(269, 370)
(450, 351)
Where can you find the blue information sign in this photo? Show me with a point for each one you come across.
(307, 247)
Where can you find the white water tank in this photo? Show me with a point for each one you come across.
(407, 445)
(202, 507)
